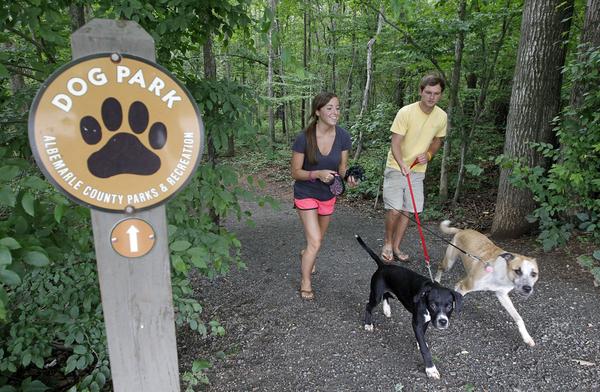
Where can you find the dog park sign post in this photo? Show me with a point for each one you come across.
(117, 133)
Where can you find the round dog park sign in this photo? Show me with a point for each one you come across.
(116, 132)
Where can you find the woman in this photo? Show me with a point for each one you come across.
(319, 154)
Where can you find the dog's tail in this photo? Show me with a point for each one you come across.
(445, 228)
(369, 251)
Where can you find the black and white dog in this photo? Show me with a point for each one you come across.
(428, 301)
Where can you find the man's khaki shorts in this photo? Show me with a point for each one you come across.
(396, 195)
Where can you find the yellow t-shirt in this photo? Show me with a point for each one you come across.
(418, 129)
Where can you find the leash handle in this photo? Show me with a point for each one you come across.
(412, 197)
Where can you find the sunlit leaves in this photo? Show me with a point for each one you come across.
(27, 202)
(9, 278)
(5, 256)
(35, 258)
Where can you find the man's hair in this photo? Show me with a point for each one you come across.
(432, 80)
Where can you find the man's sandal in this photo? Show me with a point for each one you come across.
(401, 256)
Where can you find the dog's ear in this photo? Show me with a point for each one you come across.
(422, 293)
(507, 256)
(458, 301)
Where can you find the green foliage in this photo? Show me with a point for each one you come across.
(48, 285)
(592, 263)
(373, 163)
(196, 376)
(51, 322)
(568, 192)
(226, 107)
(180, 26)
(375, 127)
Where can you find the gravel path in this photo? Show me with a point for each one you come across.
(277, 342)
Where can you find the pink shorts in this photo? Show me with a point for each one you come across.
(323, 207)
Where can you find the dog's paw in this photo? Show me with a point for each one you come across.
(386, 309)
(368, 327)
(530, 342)
(432, 372)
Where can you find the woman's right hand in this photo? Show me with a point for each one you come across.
(325, 176)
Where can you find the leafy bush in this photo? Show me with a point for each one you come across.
(592, 262)
(51, 329)
(568, 193)
(375, 126)
(51, 325)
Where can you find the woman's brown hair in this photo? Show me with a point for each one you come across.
(318, 102)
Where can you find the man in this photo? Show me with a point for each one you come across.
(417, 133)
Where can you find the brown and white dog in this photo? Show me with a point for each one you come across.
(497, 270)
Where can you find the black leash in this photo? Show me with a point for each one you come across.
(440, 237)
(358, 173)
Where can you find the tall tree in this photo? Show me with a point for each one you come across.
(350, 82)
(77, 13)
(282, 111)
(333, 14)
(590, 38)
(305, 58)
(489, 62)
(453, 104)
(534, 102)
(210, 73)
(270, 94)
(369, 82)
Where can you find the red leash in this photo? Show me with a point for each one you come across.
(412, 197)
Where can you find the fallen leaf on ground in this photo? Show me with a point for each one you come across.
(583, 363)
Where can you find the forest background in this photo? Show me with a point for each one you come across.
(522, 152)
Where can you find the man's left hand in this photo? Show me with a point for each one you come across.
(422, 158)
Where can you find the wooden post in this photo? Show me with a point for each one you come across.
(136, 292)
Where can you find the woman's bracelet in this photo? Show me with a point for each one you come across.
(310, 176)
(429, 155)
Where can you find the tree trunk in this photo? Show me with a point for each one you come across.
(306, 37)
(230, 152)
(210, 72)
(270, 95)
(590, 38)
(453, 105)
(591, 26)
(400, 88)
(334, 11)
(534, 102)
(77, 13)
(365, 100)
(283, 92)
(17, 81)
(350, 83)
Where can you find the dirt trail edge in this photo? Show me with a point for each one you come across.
(277, 342)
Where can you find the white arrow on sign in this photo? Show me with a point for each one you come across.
(133, 239)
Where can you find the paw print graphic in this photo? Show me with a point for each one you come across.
(123, 153)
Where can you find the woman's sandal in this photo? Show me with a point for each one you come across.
(314, 270)
(387, 255)
(307, 295)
